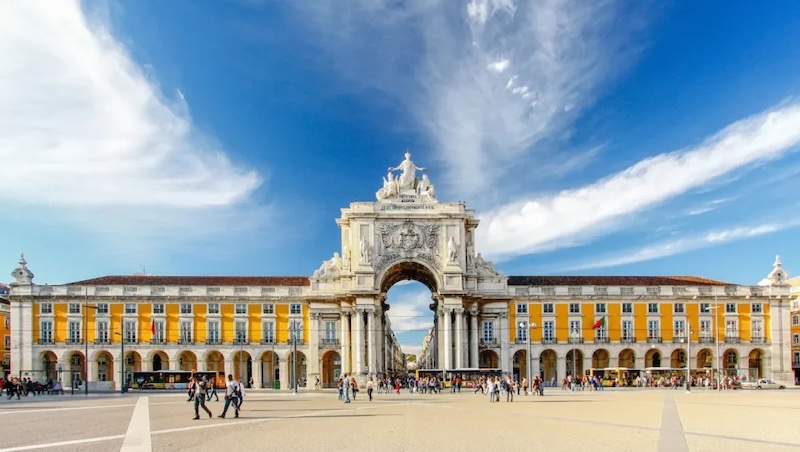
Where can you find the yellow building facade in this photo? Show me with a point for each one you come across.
(795, 326)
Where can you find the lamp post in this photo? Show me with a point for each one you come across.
(86, 307)
(528, 365)
(688, 359)
(121, 334)
(240, 335)
(293, 336)
(574, 334)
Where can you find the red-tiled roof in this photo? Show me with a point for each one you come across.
(142, 280)
(612, 281)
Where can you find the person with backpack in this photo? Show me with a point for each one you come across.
(199, 389)
(230, 396)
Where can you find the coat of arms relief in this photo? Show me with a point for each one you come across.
(407, 240)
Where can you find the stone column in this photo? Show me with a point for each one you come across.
(344, 319)
(561, 368)
(505, 358)
(312, 359)
(473, 338)
(448, 338)
(229, 367)
(372, 358)
(380, 348)
(358, 339)
(256, 374)
(459, 364)
(283, 370)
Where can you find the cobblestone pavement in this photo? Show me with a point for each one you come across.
(622, 420)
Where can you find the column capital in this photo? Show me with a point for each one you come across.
(458, 311)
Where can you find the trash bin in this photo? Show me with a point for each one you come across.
(277, 384)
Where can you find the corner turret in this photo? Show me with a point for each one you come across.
(22, 276)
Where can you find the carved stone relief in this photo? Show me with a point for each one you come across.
(407, 240)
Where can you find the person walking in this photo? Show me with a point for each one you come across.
(211, 389)
(199, 387)
(230, 396)
(370, 386)
(346, 389)
(239, 393)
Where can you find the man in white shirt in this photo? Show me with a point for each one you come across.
(231, 394)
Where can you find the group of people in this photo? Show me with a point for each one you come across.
(497, 387)
(24, 386)
(202, 390)
(592, 383)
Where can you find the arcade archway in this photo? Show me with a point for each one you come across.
(269, 369)
(627, 358)
(755, 362)
(600, 359)
(652, 358)
(575, 362)
(331, 369)
(547, 366)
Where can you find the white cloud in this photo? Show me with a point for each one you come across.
(411, 349)
(83, 126)
(576, 215)
(409, 312)
(481, 124)
(683, 245)
(499, 66)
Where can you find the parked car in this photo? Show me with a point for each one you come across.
(762, 383)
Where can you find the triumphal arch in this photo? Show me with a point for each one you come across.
(407, 234)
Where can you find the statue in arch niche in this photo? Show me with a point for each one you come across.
(366, 251)
(452, 251)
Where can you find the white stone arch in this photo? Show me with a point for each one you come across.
(398, 271)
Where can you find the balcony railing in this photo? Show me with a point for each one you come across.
(488, 341)
(601, 340)
(212, 342)
(241, 342)
(102, 341)
(270, 341)
(520, 341)
(329, 341)
(74, 341)
(706, 340)
(678, 340)
(46, 342)
(733, 340)
(654, 340)
(575, 340)
(185, 342)
(758, 340)
(131, 340)
(551, 340)
(157, 341)
(627, 340)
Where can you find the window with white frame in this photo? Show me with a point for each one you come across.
(678, 308)
(731, 328)
(600, 308)
(796, 339)
(679, 330)
(730, 308)
(74, 331)
(757, 308)
(241, 308)
(130, 331)
(213, 308)
(240, 331)
(46, 332)
(522, 308)
(158, 308)
(796, 359)
(653, 329)
(652, 308)
(186, 308)
(574, 308)
(796, 320)
(601, 333)
(268, 332)
(102, 308)
(295, 308)
(705, 329)
(213, 332)
(705, 308)
(330, 332)
(46, 308)
(574, 328)
(547, 308)
(240, 290)
(186, 330)
(627, 308)
(7, 342)
(74, 308)
(730, 357)
(102, 331)
(268, 308)
(757, 329)
(549, 330)
(130, 308)
(488, 331)
(627, 330)
(158, 336)
(522, 331)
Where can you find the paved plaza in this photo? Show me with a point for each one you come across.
(613, 420)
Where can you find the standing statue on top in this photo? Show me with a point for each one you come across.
(408, 173)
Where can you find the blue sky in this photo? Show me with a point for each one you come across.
(223, 137)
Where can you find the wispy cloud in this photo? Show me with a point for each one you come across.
(487, 79)
(83, 126)
(409, 311)
(576, 215)
(669, 248)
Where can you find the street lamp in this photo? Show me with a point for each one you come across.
(86, 306)
(575, 335)
(715, 308)
(240, 335)
(688, 359)
(528, 326)
(121, 334)
(293, 336)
